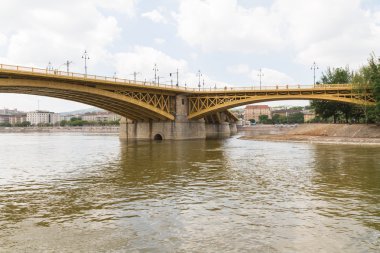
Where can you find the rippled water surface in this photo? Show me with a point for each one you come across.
(93, 193)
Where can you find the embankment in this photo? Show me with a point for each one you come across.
(317, 133)
(84, 129)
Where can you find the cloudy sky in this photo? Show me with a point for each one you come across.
(227, 40)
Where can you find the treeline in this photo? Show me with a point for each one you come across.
(72, 122)
(79, 122)
(22, 124)
(365, 79)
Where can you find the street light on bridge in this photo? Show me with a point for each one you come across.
(314, 67)
(85, 57)
(155, 72)
(67, 64)
(199, 81)
(260, 75)
(135, 75)
(49, 66)
(171, 79)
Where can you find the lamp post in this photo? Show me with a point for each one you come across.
(155, 72)
(199, 81)
(67, 64)
(49, 66)
(314, 67)
(85, 57)
(260, 75)
(171, 80)
(135, 75)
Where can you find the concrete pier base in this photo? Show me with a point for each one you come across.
(218, 130)
(165, 130)
(173, 130)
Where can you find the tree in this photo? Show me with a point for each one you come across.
(327, 109)
(296, 118)
(364, 80)
(374, 80)
(263, 118)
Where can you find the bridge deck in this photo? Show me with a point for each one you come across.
(57, 75)
(151, 101)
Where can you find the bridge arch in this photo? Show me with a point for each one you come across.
(218, 107)
(105, 99)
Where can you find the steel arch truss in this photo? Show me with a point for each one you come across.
(202, 104)
(136, 105)
(163, 102)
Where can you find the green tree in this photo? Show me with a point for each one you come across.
(374, 80)
(263, 118)
(327, 109)
(296, 118)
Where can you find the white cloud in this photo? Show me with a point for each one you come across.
(142, 60)
(238, 69)
(123, 6)
(41, 31)
(159, 41)
(269, 77)
(3, 39)
(155, 16)
(226, 26)
(58, 32)
(335, 32)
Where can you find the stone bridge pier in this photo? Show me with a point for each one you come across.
(221, 124)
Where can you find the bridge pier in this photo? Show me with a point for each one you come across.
(219, 125)
(162, 130)
(179, 129)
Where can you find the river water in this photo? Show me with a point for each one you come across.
(93, 193)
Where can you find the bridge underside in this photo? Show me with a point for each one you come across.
(117, 102)
(201, 105)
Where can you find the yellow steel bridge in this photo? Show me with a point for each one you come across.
(143, 101)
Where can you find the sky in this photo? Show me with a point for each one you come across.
(228, 41)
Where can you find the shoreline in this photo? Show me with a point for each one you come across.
(368, 135)
(315, 140)
(84, 129)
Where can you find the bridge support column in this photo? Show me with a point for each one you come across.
(218, 130)
(179, 129)
(233, 128)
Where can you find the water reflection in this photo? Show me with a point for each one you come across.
(347, 179)
(99, 194)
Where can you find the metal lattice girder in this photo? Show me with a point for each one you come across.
(201, 104)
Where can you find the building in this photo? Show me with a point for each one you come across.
(17, 118)
(6, 111)
(253, 112)
(11, 116)
(42, 117)
(308, 115)
(4, 119)
(101, 117)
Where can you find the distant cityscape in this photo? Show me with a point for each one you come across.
(14, 117)
(250, 114)
(253, 114)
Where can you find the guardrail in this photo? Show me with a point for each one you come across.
(116, 80)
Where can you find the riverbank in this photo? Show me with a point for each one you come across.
(315, 133)
(83, 129)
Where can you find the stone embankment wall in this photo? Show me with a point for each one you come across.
(87, 129)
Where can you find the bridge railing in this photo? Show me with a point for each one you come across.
(271, 87)
(73, 75)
